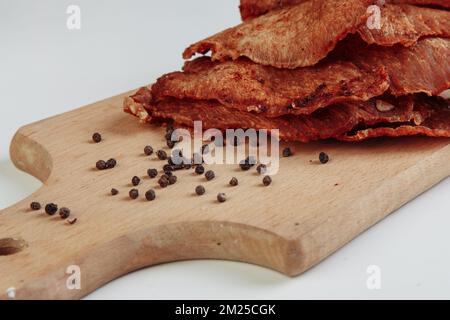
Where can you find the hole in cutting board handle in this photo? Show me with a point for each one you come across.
(9, 246)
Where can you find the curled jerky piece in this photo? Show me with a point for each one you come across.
(435, 122)
(326, 123)
(247, 86)
(354, 71)
(297, 36)
(302, 35)
(422, 68)
(406, 24)
(255, 8)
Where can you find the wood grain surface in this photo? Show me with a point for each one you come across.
(309, 211)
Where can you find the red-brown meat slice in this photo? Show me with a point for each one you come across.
(331, 122)
(255, 8)
(436, 123)
(422, 68)
(405, 24)
(294, 37)
(248, 86)
(300, 35)
(355, 71)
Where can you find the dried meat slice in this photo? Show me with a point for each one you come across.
(254, 8)
(355, 71)
(326, 123)
(294, 37)
(247, 86)
(406, 24)
(435, 123)
(300, 35)
(422, 68)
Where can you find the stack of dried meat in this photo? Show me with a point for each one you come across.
(315, 69)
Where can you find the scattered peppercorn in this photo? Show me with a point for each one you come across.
(168, 167)
(162, 155)
(221, 197)
(234, 182)
(111, 163)
(35, 206)
(170, 144)
(200, 170)
(114, 192)
(71, 220)
(267, 181)
(200, 190)
(209, 175)
(324, 158)
(261, 169)
(101, 165)
(64, 213)
(51, 209)
(97, 137)
(172, 180)
(244, 165)
(150, 195)
(287, 152)
(167, 175)
(152, 173)
(163, 182)
(135, 181)
(148, 150)
(134, 194)
(168, 135)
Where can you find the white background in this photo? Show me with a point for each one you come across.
(46, 69)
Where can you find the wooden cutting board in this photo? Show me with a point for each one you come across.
(309, 211)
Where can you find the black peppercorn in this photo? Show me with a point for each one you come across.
(150, 195)
(168, 135)
(134, 194)
(234, 182)
(262, 169)
(101, 165)
(148, 150)
(64, 213)
(267, 180)
(152, 173)
(111, 163)
(324, 158)
(209, 175)
(287, 152)
(114, 192)
(200, 170)
(168, 167)
(221, 197)
(51, 209)
(135, 181)
(172, 180)
(170, 144)
(97, 137)
(163, 182)
(167, 175)
(162, 155)
(200, 190)
(187, 166)
(35, 206)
